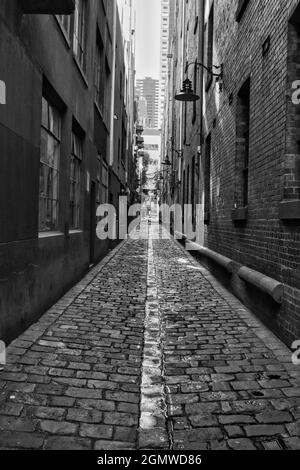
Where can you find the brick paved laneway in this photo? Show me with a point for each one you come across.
(202, 374)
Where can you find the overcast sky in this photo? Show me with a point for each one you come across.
(148, 38)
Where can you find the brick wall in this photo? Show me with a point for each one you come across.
(262, 46)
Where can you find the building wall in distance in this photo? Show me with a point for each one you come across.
(148, 88)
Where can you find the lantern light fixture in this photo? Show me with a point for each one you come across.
(187, 93)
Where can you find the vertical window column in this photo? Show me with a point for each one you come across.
(241, 197)
(49, 168)
(207, 179)
(79, 44)
(75, 181)
(210, 46)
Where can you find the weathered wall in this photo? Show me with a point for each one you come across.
(262, 241)
(35, 269)
(264, 235)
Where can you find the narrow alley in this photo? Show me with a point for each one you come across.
(148, 351)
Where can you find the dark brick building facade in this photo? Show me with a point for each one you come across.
(247, 164)
(57, 161)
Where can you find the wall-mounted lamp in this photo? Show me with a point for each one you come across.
(187, 93)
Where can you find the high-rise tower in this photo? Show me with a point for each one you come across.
(148, 88)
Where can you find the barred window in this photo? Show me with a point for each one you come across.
(79, 46)
(49, 167)
(75, 181)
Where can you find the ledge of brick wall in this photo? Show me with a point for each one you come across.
(289, 210)
(239, 215)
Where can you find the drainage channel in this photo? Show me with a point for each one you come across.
(153, 431)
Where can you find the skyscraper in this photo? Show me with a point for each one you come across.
(168, 9)
(148, 88)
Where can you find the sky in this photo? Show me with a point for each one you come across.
(147, 38)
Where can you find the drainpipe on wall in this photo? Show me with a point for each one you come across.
(113, 85)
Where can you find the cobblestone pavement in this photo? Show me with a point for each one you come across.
(149, 351)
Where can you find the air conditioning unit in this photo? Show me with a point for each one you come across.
(48, 7)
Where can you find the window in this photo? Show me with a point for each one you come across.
(194, 115)
(99, 75)
(75, 180)
(49, 167)
(98, 191)
(210, 46)
(207, 176)
(104, 199)
(242, 146)
(107, 95)
(79, 46)
(65, 22)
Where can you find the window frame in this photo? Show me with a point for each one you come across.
(67, 32)
(80, 33)
(210, 46)
(75, 160)
(49, 129)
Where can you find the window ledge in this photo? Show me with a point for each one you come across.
(75, 232)
(81, 72)
(50, 234)
(240, 214)
(289, 210)
(63, 32)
